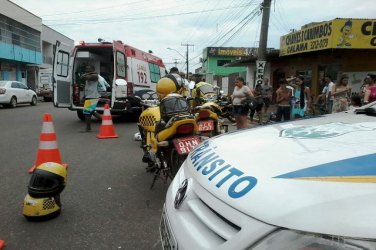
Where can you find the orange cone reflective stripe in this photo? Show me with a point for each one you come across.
(107, 129)
(48, 150)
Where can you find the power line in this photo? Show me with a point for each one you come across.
(227, 21)
(137, 11)
(125, 19)
(237, 31)
(96, 9)
(233, 28)
(198, 21)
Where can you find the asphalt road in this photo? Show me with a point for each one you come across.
(107, 203)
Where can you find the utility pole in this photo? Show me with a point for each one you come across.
(264, 30)
(261, 55)
(187, 58)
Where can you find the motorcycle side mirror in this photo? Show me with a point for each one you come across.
(120, 82)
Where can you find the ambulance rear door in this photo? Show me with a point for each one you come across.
(119, 90)
(62, 75)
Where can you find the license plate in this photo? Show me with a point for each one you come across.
(167, 238)
(186, 144)
(206, 125)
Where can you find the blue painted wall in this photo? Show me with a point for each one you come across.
(19, 54)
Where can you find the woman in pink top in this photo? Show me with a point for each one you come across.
(370, 94)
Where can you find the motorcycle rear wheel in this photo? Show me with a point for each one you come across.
(176, 161)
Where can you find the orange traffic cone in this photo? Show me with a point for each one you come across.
(2, 244)
(107, 129)
(48, 150)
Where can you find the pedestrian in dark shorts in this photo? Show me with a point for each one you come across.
(241, 91)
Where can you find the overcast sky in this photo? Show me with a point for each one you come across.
(158, 24)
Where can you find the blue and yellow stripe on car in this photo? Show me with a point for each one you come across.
(361, 169)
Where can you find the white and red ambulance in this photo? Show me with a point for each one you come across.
(129, 72)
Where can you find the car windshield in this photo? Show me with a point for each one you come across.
(174, 105)
(22, 85)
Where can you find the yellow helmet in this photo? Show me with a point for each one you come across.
(171, 83)
(41, 208)
(48, 179)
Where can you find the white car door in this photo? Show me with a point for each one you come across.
(17, 91)
(26, 94)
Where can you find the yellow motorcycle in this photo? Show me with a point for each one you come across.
(168, 133)
(208, 112)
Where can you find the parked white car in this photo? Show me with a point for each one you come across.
(13, 93)
(303, 184)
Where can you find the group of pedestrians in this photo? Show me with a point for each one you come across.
(339, 97)
(294, 99)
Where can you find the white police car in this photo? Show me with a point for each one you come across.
(307, 184)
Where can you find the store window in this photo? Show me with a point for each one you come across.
(13, 32)
(16, 39)
(222, 62)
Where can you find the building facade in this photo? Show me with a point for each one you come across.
(20, 41)
(329, 48)
(215, 58)
(26, 45)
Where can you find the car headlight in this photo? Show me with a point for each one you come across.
(296, 240)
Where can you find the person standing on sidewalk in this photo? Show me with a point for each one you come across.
(342, 94)
(267, 92)
(91, 95)
(258, 104)
(283, 101)
(240, 94)
(302, 96)
(370, 92)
